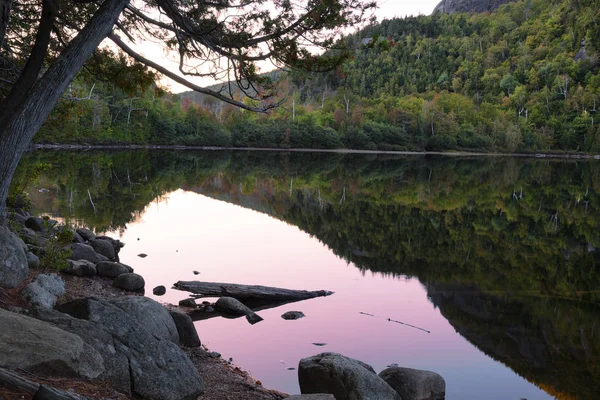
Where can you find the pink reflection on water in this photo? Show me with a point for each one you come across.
(227, 243)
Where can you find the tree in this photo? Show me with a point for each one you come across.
(44, 43)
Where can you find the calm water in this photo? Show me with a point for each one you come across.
(492, 263)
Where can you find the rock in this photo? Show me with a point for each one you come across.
(29, 236)
(86, 234)
(129, 281)
(127, 266)
(209, 309)
(43, 291)
(291, 315)
(32, 260)
(84, 252)
(13, 260)
(20, 211)
(320, 344)
(111, 269)
(196, 273)
(415, 384)
(104, 247)
(142, 255)
(318, 396)
(77, 238)
(35, 223)
(188, 303)
(188, 336)
(37, 346)
(80, 268)
(229, 305)
(159, 290)
(344, 377)
(116, 244)
(215, 354)
(18, 218)
(131, 335)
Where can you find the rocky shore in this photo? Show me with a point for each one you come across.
(75, 325)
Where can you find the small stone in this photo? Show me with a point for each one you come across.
(129, 281)
(159, 290)
(292, 315)
(291, 369)
(32, 260)
(188, 303)
(196, 273)
(209, 309)
(214, 354)
(320, 344)
(142, 255)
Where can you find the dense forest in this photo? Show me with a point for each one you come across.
(524, 78)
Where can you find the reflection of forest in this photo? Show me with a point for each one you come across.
(507, 247)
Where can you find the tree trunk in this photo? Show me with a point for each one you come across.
(19, 127)
(5, 7)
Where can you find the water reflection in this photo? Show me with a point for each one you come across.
(506, 248)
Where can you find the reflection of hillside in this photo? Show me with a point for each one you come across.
(521, 235)
(552, 343)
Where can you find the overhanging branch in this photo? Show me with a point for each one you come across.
(139, 58)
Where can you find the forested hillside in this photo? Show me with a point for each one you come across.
(523, 78)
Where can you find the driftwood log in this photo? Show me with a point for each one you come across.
(11, 379)
(247, 292)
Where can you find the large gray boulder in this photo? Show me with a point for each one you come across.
(35, 223)
(111, 269)
(318, 396)
(415, 384)
(103, 247)
(188, 335)
(38, 346)
(44, 290)
(86, 252)
(229, 305)
(131, 335)
(80, 268)
(129, 281)
(13, 260)
(344, 377)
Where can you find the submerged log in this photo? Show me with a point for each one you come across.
(247, 292)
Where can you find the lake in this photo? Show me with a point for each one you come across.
(484, 270)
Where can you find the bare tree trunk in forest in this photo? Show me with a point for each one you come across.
(19, 121)
(5, 7)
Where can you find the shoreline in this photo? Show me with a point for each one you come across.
(575, 156)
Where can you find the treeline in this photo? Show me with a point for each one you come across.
(522, 79)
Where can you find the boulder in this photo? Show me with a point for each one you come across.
(13, 260)
(131, 335)
(317, 396)
(80, 268)
(29, 236)
(188, 335)
(129, 281)
(229, 305)
(188, 303)
(86, 234)
(43, 291)
(291, 315)
(18, 218)
(116, 244)
(38, 346)
(80, 251)
(415, 384)
(103, 247)
(77, 238)
(35, 223)
(159, 290)
(344, 377)
(111, 269)
(33, 261)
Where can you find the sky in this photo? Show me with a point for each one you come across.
(386, 9)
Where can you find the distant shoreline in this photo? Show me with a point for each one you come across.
(300, 150)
